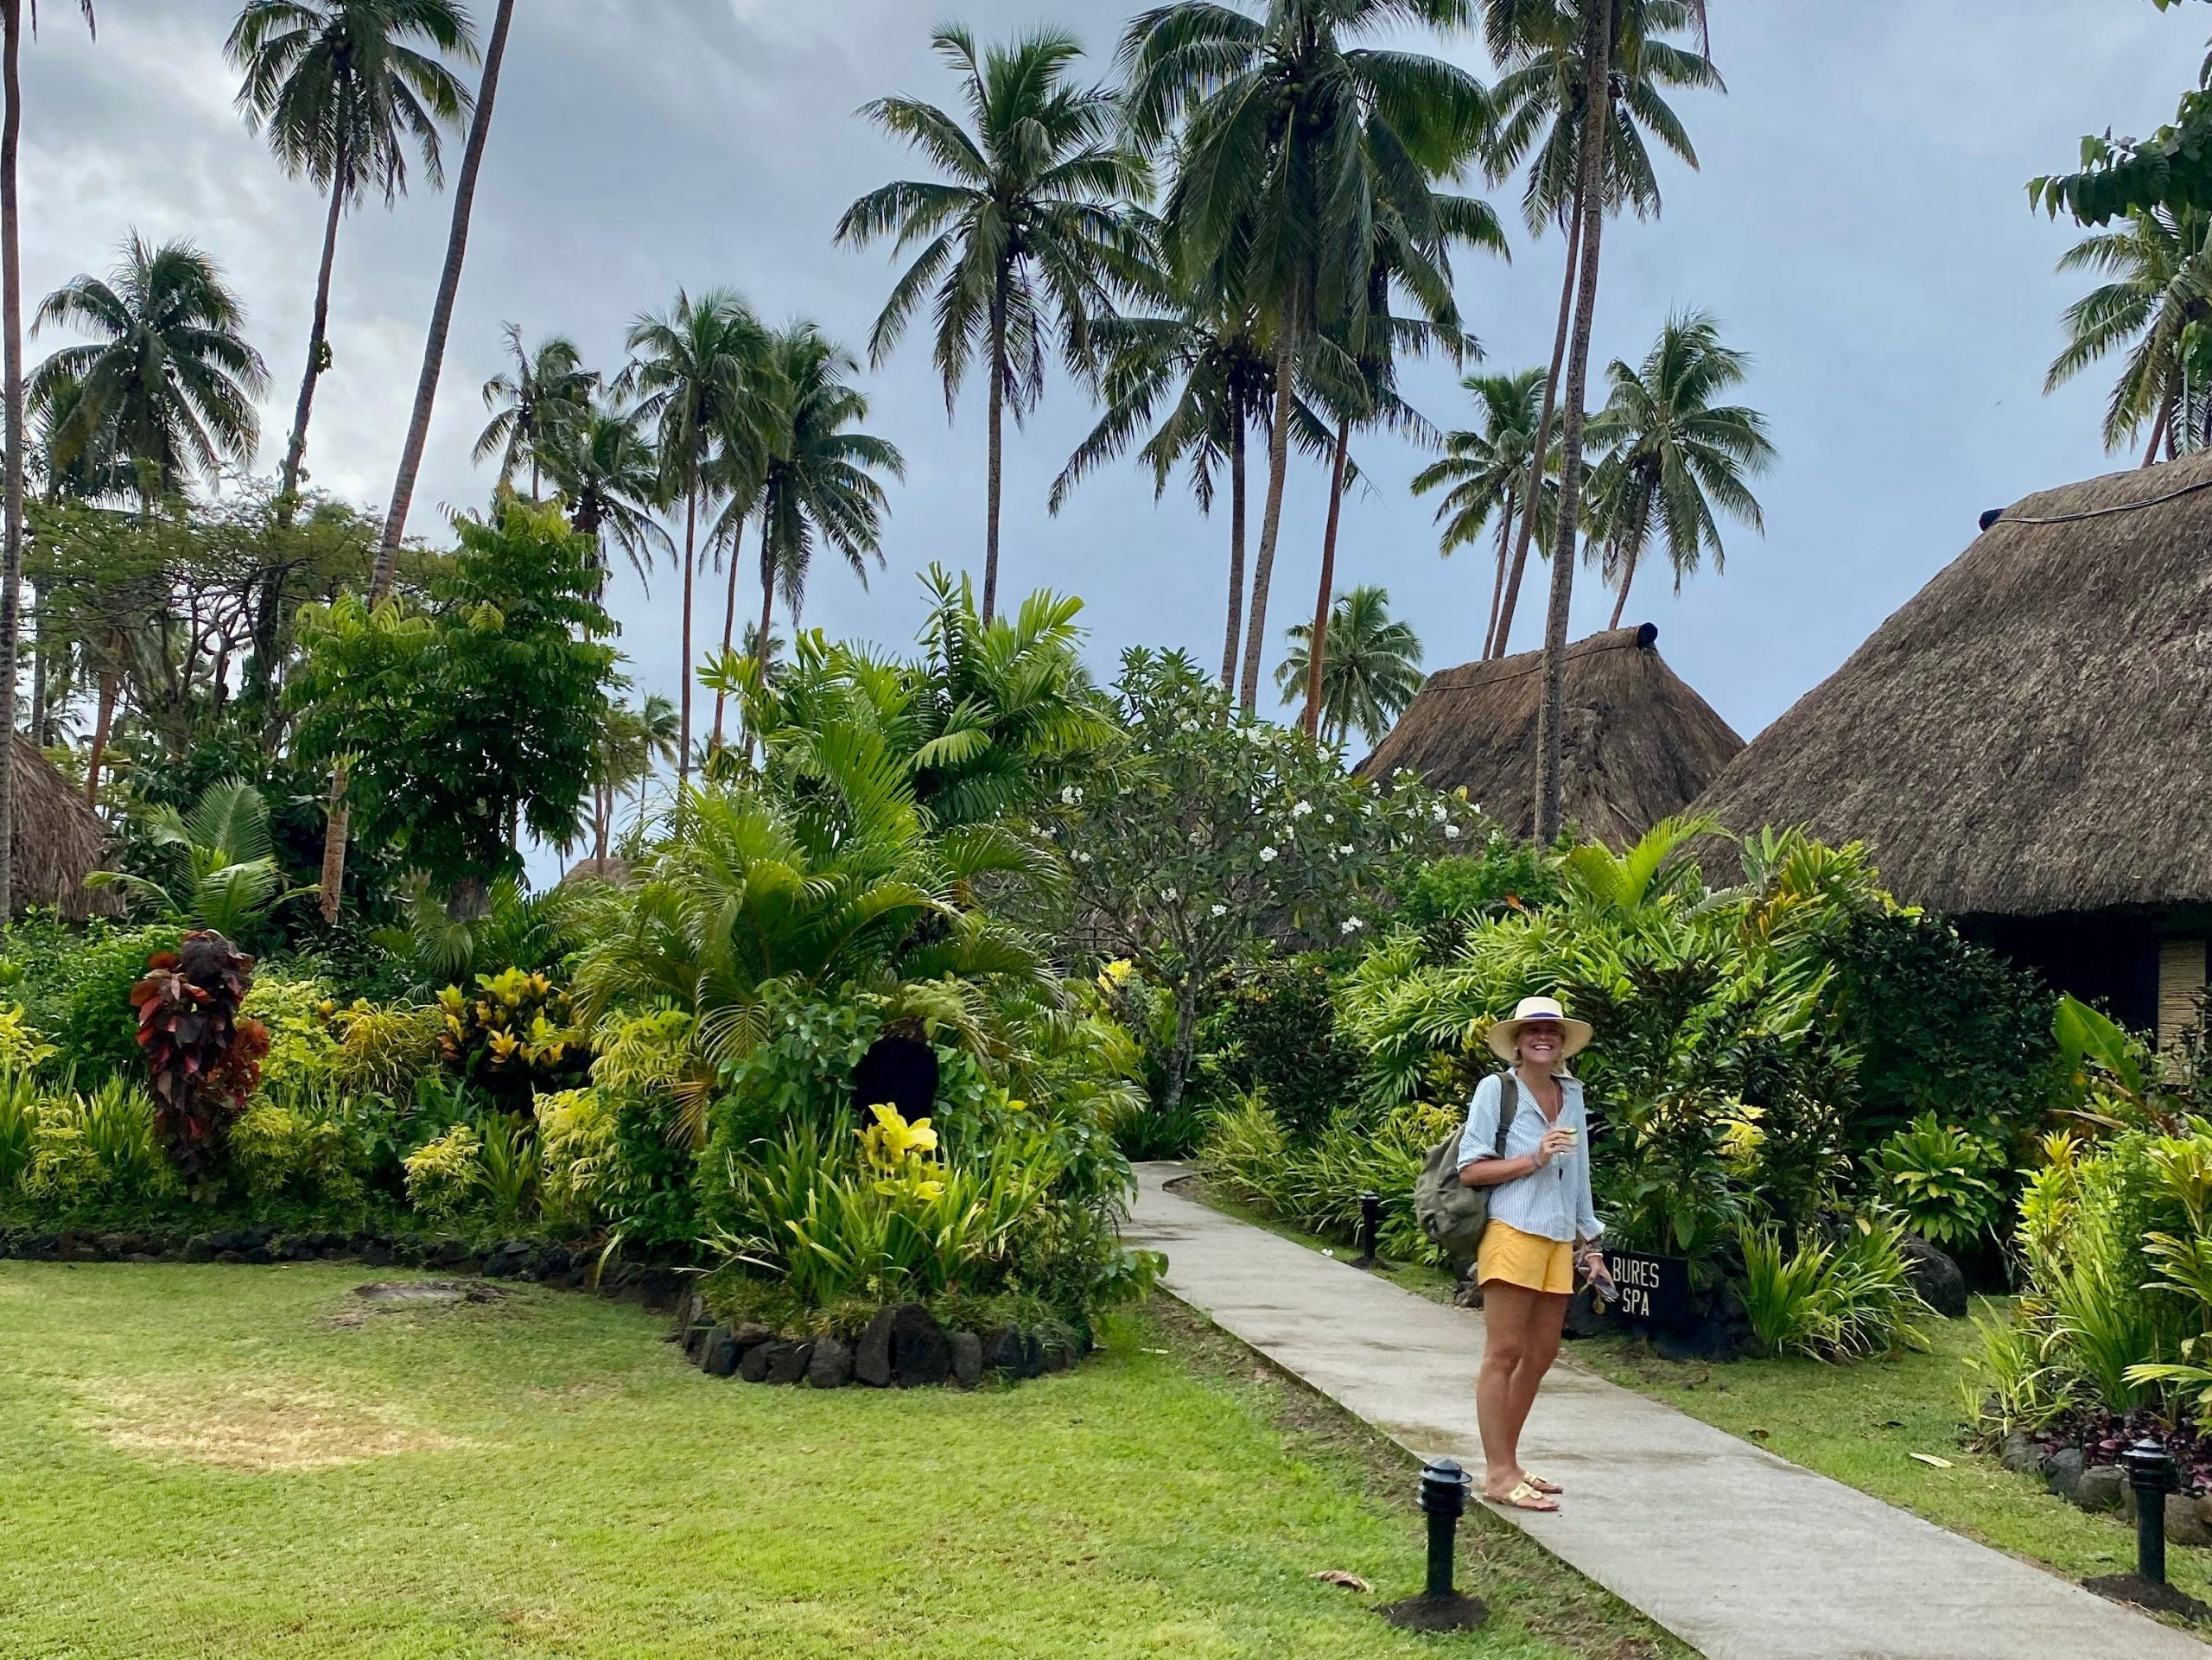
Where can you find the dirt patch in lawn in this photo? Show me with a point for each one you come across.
(247, 1423)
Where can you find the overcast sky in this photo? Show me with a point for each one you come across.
(1859, 225)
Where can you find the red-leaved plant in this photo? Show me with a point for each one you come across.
(204, 1059)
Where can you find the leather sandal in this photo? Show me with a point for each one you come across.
(1525, 1497)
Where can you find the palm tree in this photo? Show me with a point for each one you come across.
(697, 368)
(426, 397)
(169, 384)
(1615, 38)
(1023, 242)
(818, 479)
(1273, 120)
(12, 425)
(1488, 469)
(1540, 106)
(604, 468)
(2161, 285)
(1205, 356)
(538, 394)
(434, 342)
(1671, 455)
(1372, 671)
(1413, 258)
(343, 89)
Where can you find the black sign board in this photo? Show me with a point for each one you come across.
(1655, 1290)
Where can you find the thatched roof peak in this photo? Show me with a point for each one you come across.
(2032, 732)
(1637, 743)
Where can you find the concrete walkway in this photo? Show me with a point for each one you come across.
(1742, 1555)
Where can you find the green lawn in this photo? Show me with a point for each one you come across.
(224, 1462)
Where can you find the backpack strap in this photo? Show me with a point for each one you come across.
(1508, 1104)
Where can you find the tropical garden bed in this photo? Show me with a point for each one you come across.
(329, 1453)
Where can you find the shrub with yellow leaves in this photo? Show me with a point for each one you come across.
(513, 1038)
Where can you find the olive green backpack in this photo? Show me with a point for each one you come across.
(1452, 1215)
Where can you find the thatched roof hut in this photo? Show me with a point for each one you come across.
(2027, 743)
(1638, 743)
(616, 873)
(58, 840)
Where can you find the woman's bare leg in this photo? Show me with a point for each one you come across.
(1546, 1318)
(1509, 1312)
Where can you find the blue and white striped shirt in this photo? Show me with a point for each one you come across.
(1552, 1203)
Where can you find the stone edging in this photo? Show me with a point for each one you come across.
(903, 1346)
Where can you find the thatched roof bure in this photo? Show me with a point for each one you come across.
(1637, 744)
(2032, 733)
(58, 840)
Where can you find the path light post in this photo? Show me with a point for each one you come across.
(1370, 1228)
(2151, 1472)
(1438, 1607)
(1444, 1501)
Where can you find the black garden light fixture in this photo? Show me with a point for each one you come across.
(1370, 1229)
(2151, 1472)
(1440, 1607)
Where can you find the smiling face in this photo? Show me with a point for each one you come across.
(1541, 1042)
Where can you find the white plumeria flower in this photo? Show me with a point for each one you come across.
(1070, 795)
(1437, 812)
(1169, 894)
(1353, 924)
(1328, 819)
(1220, 910)
(1345, 849)
(1302, 809)
(1451, 832)
(1267, 856)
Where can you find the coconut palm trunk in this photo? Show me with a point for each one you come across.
(1497, 589)
(683, 703)
(11, 323)
(2158, 435)
(1255, 628)
(1317, 649)
(1236, 552)
(1533, 494)
(102, 723)
(418, 425)
(998, 452)
(433, 348)
(729, 627)
(318, 334)
(1551, 710)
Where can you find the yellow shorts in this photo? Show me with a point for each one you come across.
(1525, 1259)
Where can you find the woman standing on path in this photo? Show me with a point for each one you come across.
(1541, 1222)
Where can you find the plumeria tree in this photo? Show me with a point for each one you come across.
(1208, 835)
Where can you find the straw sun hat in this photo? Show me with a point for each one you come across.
(1503, 1035)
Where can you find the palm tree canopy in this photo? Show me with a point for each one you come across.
(539, 392)
(1024, 226)
(1486, 467)
(695, 370)
(343, 89)
(1670, 455)
(604, 467)
(1540, 98)
(817, 478)
(2160, 283)
(1292, 141)
(1370, 673)
(1205, 359)
(169, 383)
